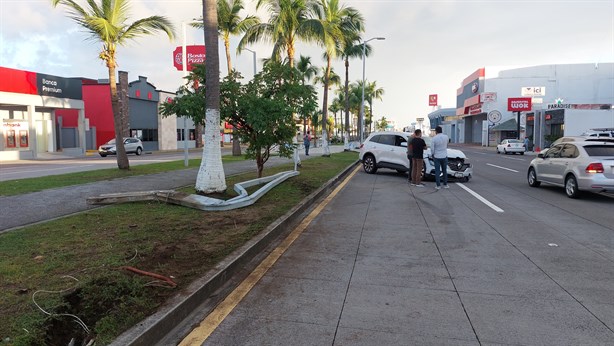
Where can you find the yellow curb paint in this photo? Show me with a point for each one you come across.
(199, 334)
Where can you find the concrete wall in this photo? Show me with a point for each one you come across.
(574, 83)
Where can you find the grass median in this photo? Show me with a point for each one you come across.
(79, 269)
(27, 185)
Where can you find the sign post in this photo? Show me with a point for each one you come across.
(518, 104)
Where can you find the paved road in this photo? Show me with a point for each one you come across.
(388, 264)
(16, 211)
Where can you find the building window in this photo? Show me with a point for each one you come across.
(146, 135)
(180, 132)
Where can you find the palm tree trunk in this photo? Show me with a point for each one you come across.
(211, 177)
(346, 134)
(325, 148)
(122, 157)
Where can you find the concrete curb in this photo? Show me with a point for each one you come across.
(155, 327)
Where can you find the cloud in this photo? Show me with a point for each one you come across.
(430, 46)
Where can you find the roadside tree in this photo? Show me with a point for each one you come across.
(211, 177)
(231, 24)
(107, 23)
(262, 110)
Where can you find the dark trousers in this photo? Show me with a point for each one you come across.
(416, 172)
(441, 166)
(411, 164)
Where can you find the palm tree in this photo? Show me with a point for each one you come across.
(351, 49)
(231, 24)
(373, 92)
(308, 71)
(288, 23)
(211, 177)
(335, 107)
(335, 22)
(107, 23)
(355, 98)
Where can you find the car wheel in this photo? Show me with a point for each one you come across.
(466, 179)
(368, 164)
(103, 155)
(571, 187)
(505, 151)
(532, 178)
(139, 151)
(521, 153)
(498, 152)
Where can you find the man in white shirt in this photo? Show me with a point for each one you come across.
(440, 155)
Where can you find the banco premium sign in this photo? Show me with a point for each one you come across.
(519, 104)
(48, 85)
(195, 55)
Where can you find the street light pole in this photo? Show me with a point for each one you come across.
(254, 53)
(362, 103)
(184, 63)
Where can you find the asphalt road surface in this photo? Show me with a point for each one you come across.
(488, 262)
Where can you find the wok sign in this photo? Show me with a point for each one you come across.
(519, 104)
(195, 55)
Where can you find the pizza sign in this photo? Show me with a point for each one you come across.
(194, 54)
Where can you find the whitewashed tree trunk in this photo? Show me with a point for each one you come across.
(325, 147)
(211, 177)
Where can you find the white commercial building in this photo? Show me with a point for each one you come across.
(567, 99)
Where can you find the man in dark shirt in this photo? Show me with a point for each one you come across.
(418, 146)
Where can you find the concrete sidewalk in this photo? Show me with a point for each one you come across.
(25, 209)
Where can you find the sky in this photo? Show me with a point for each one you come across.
(429, 46)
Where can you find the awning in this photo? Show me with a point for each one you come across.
(508, 125)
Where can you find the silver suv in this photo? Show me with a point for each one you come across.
(132, 145)
(389, 150)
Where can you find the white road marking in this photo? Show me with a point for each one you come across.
(512, 158)
(480, 198)
(507, 169)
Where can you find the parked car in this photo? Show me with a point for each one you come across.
(566, 139)
(602, 132)
(132, 145)
(576, 166)
(510, 146)
(389, 150)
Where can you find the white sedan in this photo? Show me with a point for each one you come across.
(511, 146)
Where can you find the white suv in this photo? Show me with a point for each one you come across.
(389, 150)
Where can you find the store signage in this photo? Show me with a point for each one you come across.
(195, 55)
(488, 97)
(32, 83)
(475, 109)
(433, 100)
(533, 91)
(49, 85)
(519, 104)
